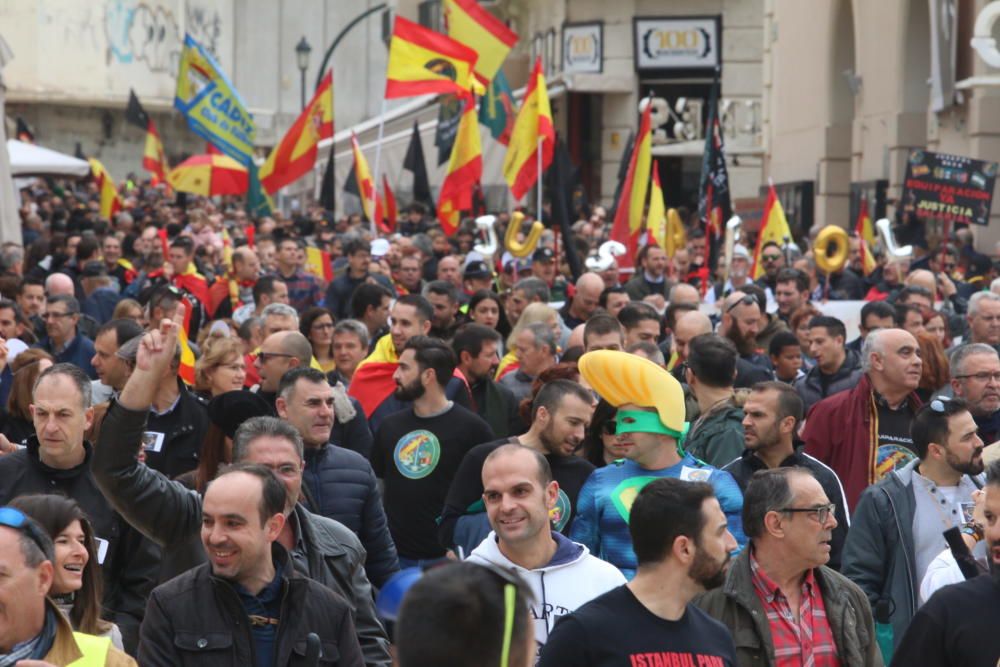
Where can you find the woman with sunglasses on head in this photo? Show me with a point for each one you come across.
(316, 324)
(77, 585)
(601, 445)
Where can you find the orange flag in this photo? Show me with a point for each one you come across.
(465, 169)
(295, 155)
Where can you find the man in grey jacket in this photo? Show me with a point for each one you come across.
(779, 589)
(170, 514)
(897, 528)
(836, 368)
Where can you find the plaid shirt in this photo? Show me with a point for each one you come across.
(806, 642)
(303, 289)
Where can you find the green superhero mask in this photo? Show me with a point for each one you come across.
(640, 421)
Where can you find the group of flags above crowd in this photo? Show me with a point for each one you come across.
(465, 63)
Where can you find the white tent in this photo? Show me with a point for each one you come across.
(32, 160)
(10, 220)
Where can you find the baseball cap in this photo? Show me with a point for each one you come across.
(380, 247)
(543, 255)
(476, 269)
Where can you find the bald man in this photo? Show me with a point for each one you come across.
(60, 283)
(246, 269)
(585, 300)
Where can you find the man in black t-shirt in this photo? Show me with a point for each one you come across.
(417, 450)
(560, 415)
(957, 626)
(682, 544)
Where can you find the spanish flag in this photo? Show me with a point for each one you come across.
(318, 263)
(866, 235)
(534, 123)
(629, 209)
(295, 155)
(465, 168)
(423, 62)
(475, 27)
(111, 203)
(154, 159)
(774, 227)
(186, 368)
(366, 184)
(664, 226)
(373, 380)
(390, 209)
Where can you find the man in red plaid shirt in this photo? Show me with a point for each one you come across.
(788, 608)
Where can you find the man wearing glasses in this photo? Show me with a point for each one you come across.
(32, 629)
(975, 377)
(779, 597)
(897, 528)
(62, 340)
(773, 262)
(984, 319)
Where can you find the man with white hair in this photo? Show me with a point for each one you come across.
(975, 377)
(864, 433)
(984, 319)
(739, 275)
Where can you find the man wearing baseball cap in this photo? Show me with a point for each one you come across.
(650, 426)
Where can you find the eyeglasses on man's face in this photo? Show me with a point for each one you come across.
(821, 513)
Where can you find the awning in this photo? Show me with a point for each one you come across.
(31, 160)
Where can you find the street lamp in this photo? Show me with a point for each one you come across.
(302, 50)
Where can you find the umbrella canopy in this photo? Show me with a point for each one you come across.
(209, 175)
(31, 160)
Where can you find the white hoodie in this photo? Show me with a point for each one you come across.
(570, 580)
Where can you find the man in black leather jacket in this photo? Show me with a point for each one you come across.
(166, 511)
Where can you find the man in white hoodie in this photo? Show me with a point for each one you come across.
(519, 492)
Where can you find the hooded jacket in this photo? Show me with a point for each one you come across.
(811, 387)
(717, 436)
(571, 579)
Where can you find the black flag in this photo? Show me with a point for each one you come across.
(23, 132)
(351, 183)
(714, 205)
(561, 192)
(328, 189)
(134, 113)
(78, 153)
(414, 162)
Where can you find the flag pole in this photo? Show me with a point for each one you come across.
(378, 159)
(538, 151)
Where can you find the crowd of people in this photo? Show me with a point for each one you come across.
(283, 440)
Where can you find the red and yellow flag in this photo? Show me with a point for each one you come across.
(186, 368)
(866, 235)
(154, 160)
(423, 62)
(111, 203)
(318, 263)
(774, 227)
(532, 127)
(475, 27)
(295, 154)
(366, 184)
(631, 202)
(389, 208)
(664, 225)
(465, 169)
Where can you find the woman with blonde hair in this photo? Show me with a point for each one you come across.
(221, 367)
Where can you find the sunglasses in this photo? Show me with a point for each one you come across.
(748, 300)
(610, 427)
(18, 520)
(770, 258)
(939, 405)
(265, 356)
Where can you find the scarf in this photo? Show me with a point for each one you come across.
(35, 648)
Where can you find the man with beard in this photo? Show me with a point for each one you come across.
(779, 597)
(742, 317)
(898, 526)
(975, 377)
(957, 626)
(560, 415)
(772, 414)
(650, 417)
(682, 546)
(417, 450)
(520, 497)
(475, 349)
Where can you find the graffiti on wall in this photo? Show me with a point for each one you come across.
(150, 35)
